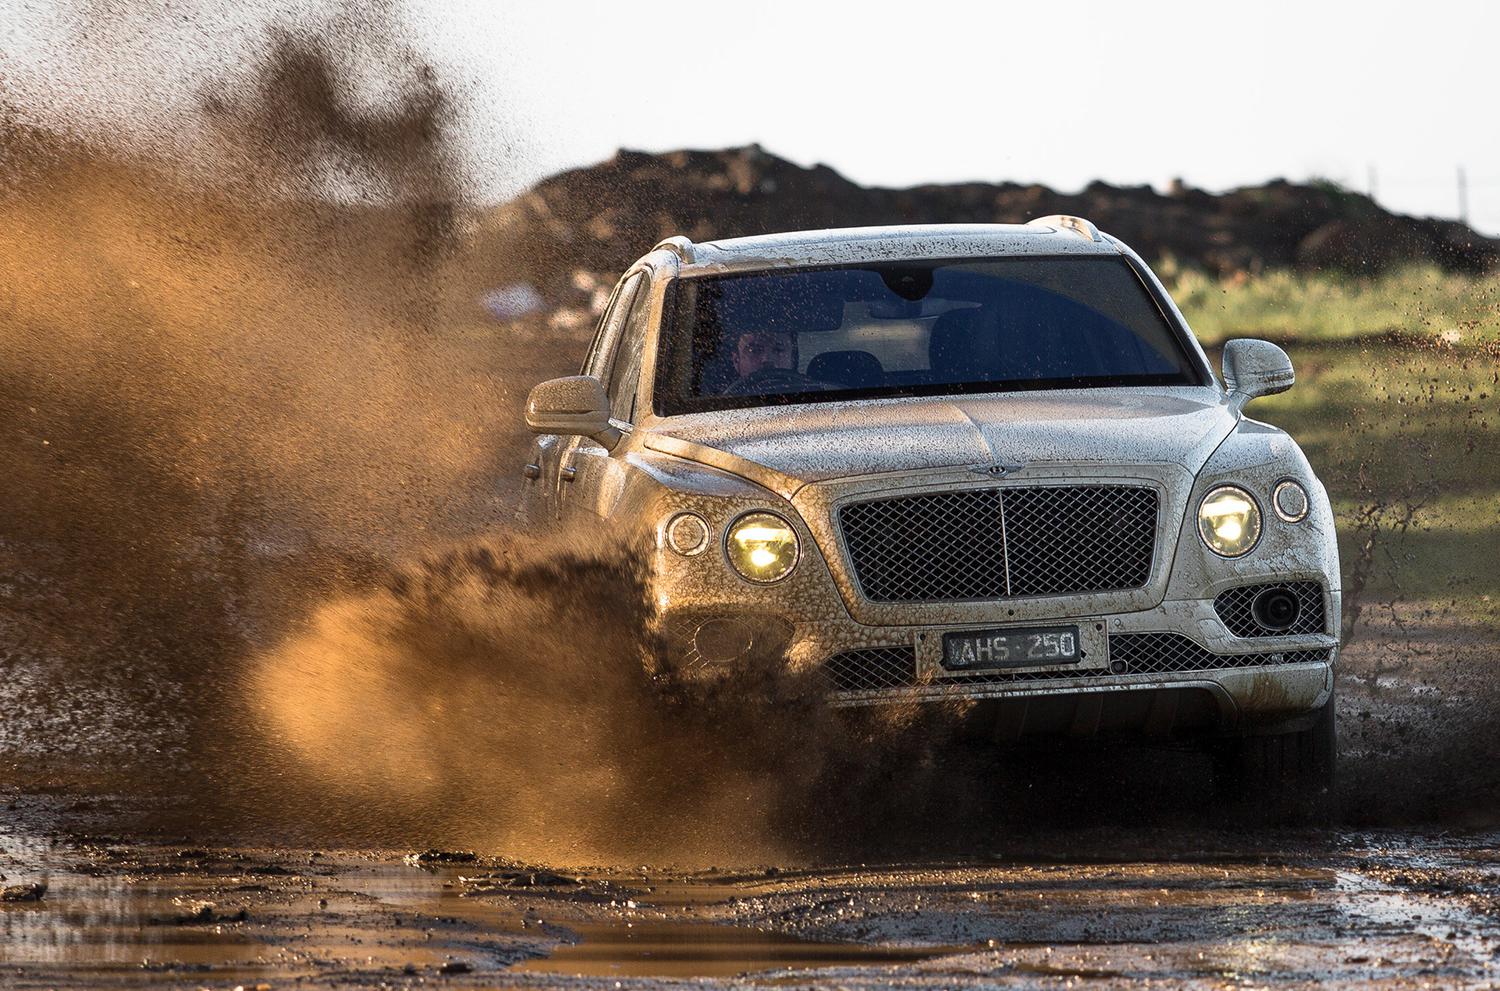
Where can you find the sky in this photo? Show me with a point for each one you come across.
(1383, 97)
(1060, 93)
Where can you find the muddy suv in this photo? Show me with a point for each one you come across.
(985, 462)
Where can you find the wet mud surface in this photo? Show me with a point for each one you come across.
(1104, 867)
(1098, 906)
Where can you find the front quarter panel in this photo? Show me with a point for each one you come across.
(1256, 456)
(805, 605)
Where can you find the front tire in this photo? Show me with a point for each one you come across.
(1284, 778)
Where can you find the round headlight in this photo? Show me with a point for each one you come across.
(1290, 501)
(1229, 521)
(761, 547)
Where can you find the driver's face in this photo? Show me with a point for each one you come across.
(760, 349)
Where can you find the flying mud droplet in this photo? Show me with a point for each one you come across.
(226, 390)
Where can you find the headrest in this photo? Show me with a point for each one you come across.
(853, 369)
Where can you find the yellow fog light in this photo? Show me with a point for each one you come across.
(762, 547)
(1229, 521)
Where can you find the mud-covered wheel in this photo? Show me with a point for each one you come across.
(1286, 778)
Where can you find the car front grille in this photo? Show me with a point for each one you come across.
(1234, 609)
(879, 668)
(1000, 543)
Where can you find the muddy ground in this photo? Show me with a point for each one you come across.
(1101, 907)
(246, 679)
(1108, 867)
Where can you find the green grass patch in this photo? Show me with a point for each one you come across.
(1419, 301)
(1397, 404)
(1407, 439)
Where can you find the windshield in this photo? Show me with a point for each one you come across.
(911, 329)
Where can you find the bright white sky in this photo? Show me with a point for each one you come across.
(897, 93)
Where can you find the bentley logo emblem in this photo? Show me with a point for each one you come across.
(1000, 470)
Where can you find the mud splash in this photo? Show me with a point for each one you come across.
(223, 393)
(511, 697)
(238, 389)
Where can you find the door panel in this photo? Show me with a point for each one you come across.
(545, 497)
(579, 495)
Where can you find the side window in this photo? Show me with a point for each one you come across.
(598, 362)
(626, 375)
(598, 340)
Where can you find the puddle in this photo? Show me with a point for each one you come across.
(121, 924)
(667, 949)
(642, 947)
(121, 917)
(630, 946)
(1388, 908)
(231, 916)
(355, 915)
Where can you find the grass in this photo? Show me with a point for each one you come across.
(1420, 301)
(1397, 405)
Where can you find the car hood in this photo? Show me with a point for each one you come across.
(820, 441)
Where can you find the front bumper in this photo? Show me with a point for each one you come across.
(1162, 668)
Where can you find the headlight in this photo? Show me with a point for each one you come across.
(1229, 520)
(762, 547)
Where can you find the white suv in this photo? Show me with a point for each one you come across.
(980, 461)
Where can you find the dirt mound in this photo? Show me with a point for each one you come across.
(602, 217)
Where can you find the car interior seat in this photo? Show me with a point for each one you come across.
(852, 369)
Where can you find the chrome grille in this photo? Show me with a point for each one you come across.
(998, 543)
(1233, 608)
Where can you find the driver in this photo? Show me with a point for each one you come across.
(758, 349)
(764, 362)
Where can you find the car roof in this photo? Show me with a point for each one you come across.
(856, 245)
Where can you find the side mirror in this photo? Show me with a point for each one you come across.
(1255, 368)
(572, 406)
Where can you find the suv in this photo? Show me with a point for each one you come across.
(986, 462)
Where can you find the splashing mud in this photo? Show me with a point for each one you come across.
(501, 697)
(223, 391)
(237, 392)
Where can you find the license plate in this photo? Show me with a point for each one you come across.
(974, 650)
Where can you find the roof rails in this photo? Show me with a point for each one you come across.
(678, 245)
(1062, 221)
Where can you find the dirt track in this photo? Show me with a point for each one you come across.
(1107, 908)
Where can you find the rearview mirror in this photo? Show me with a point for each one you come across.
(572, 406)
(1255, 368)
